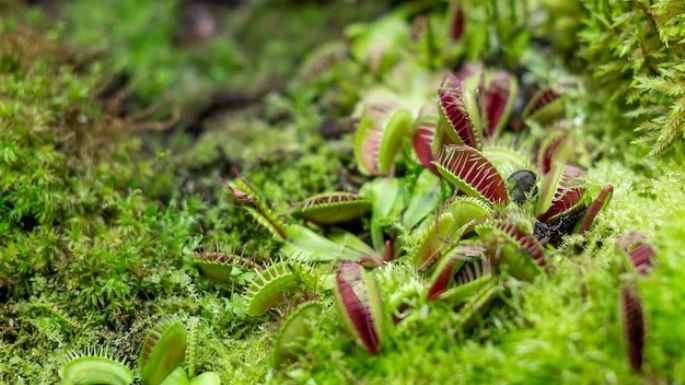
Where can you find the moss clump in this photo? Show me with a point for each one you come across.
(634, 51)
(71, 233)
(87, 252)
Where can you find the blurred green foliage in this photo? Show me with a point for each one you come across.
(140, 39)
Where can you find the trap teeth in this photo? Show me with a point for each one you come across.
(335, 207)
(467, 169)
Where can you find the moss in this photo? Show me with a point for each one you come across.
(649, 200)
(141, 40)
(634, 50)
(85, 251)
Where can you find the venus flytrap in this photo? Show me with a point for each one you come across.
(512, 247)
(329, 208)
(567, 179)
(498, 91)
(639, 259)
(638, 252)
(597, 205)
(426, 140)
(359, 305)
(163, 351)
(220, 267)
(508, 205)
(388, 115)
(294, 332)
(95, 368)
(460, 272)
(435, 237)
(468, 212)
(470, 278)
(633, 325)
(472, 173)
(459, 111)
(545, 107)
(475, 104)
(270, 286)
(552, 149)
(297, 241)
(379, 136)
(503, 217)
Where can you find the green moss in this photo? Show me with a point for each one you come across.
(87, 250)
(634, 50)
(138, 39)
(650, 200)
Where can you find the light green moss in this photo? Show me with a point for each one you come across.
(634, 51)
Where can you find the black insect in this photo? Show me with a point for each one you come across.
(522, 186)
(552, 232)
